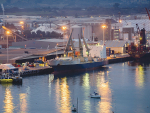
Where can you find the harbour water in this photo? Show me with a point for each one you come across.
(124, 88)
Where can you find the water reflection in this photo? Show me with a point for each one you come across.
(86, 88)
(97, 81)
(65, 96)
(137, 63)
(139, 72)
(51, 78)
(139, 76)
(57, 89)
(106, 96)
(8, 101)
(23, 102)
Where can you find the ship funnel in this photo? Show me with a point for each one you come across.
(142, 37)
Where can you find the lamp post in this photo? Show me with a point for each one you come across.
(8, 32)
(21, 22)
(103, 26)
(120, 21)
(64, 28)
(22, 26)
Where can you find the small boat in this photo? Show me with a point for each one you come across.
(95, 95)
(74, 109)
(9, 74)
(17, 80)
(6, 80)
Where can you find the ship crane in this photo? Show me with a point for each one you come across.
(5, 28)
(148, 13)
(68, 45)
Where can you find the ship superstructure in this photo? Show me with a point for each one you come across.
(83, 61)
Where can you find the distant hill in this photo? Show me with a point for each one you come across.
(67, 3)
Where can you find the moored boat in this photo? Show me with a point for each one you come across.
(86, 65)
(139, 48)
(81, 62)
(95, 95)
(9, 74)
(6, 80)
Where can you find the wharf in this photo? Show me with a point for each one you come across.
(35, 71)
(119, 58)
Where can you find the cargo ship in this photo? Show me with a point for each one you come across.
(80, 62)
(69, 64)
(140, 48)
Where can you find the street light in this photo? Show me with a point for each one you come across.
(103, 26)
(7, 32)
(64, 29)
(120, 21)
(21, 22)
(22, 26)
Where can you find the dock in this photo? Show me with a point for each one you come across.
(119, 58)
(35, 71)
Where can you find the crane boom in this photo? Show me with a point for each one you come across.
(148, 13)
(5, 28)
(68, 44)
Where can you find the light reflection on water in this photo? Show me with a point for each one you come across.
(8, 101)
(139, 77)
(121, 88)
(86, 88)
(65, 96)
(23, 102)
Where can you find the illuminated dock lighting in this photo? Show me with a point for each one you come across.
(103, 26)
(7, 32)
(64, 27)
(21, 22)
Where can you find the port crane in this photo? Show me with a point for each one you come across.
(148, 12)
(5, 28)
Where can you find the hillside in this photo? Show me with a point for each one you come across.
(69, 3)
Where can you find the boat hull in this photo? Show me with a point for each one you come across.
(6, 80)
(78, 67)
(145, 56)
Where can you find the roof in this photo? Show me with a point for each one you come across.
(114, 43)
(46, 29)
(53, 40)
(7, 66)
